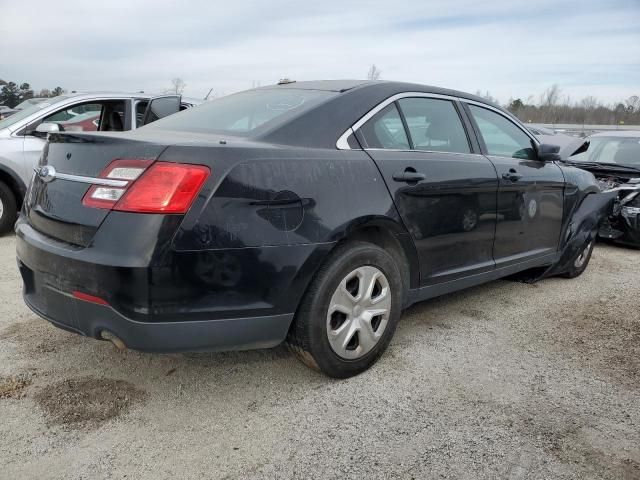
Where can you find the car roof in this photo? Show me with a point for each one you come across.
(108, 94)
(617, 133)
(326, 85)
(346, 85)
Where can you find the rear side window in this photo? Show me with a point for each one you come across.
(161, 107)
(245, 113)
(385, 130)
(434, 125)
(501, 136)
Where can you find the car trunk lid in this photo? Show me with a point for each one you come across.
(54, 205)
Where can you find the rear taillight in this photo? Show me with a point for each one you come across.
(107, 197)
(160, 188)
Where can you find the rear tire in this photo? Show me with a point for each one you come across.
(8, 209)
(350, 311)
(581, 262)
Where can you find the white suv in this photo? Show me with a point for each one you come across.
(23, 134)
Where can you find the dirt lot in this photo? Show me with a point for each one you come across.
(506, 380)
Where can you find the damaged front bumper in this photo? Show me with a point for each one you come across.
(623, 225)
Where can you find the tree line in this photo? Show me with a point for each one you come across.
(552, 108)
(12, 93)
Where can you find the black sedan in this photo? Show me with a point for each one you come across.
(311, 213)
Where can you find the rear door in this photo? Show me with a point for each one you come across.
(530, 196)
(160, 107)
(444, 189)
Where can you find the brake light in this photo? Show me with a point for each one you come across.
(164, 188)
(160, 188)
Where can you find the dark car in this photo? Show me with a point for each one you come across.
(311, 212)
(614, 159)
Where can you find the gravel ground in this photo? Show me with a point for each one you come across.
(506, 380)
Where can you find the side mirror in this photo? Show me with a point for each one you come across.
(548, 153)
(45, 128)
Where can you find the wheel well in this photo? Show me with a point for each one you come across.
(386, 240)
(13, 185)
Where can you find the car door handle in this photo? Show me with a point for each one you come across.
(409, 175)
(512, 175)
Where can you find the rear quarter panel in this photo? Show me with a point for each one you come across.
(268, 218)
(280, 196)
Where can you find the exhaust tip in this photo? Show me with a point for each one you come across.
(107, 335)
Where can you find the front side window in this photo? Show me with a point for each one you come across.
(434, 125)
(385, 130)
(501, 136)
(104, 116)
(78, 118)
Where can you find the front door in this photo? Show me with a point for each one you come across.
(445, 194)
(530, 196)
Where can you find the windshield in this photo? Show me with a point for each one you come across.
(614, 150)
(19, 115)
(244, 113)
(29, 102)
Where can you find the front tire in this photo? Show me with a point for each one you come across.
(8, 209)
(348, 315)
(580, 263)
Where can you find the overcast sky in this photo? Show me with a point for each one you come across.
(511, 48)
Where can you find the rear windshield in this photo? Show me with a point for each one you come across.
(245, 113)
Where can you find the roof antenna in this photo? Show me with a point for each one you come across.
(210, 90)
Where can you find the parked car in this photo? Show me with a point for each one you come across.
(540, 130)
(614, 158)
(6, 112)
(23, 135)
(311, 212)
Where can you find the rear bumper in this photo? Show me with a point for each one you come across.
(173, 304)
(91, 320)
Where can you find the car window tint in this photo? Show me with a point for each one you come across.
(161, 107)
(434, 125)
(501, 136)
(141, 108)
(385, 130)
